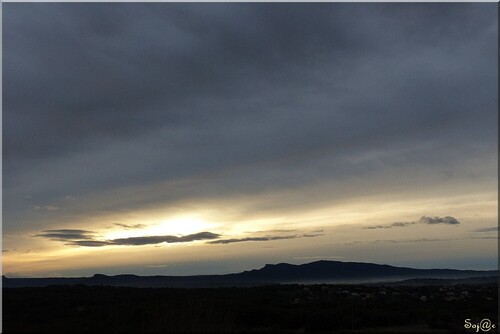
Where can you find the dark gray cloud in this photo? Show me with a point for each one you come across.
(102, 96)
(265, 238)
(448, 220)
(151, 240)
(311, 235)
(410, 240)
(438, 220)
(273, 231)
(66, 234)
(399, 224)
(396, 224)
(89, 243)
(130, 226)
(374, 227)
(230, 241)
(88, 239)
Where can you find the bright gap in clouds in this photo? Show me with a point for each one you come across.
(178, 226)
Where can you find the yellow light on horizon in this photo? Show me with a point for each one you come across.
(178, 226)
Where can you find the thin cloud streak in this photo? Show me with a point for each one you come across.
(131, 226)
(268, 238)
(486, 229)
(89, 243)
(484, 238)
(429, 220)
(410, 240)
(66, 234)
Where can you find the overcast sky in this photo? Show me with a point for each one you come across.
(162, 138)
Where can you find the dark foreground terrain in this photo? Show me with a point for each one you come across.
(273, 308)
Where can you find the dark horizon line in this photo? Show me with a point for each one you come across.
(250, 270)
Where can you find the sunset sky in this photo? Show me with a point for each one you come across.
(192, 138)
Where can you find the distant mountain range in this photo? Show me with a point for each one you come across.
(334, 272)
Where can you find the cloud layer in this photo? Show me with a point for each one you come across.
(265, 238)
(99, 97)
(67, 234)
(429, 220)
(86, 238)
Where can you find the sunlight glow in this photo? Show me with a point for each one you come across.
(178, 226)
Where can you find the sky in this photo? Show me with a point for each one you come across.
(210, 138)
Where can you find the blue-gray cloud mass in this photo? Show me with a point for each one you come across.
(242, 98)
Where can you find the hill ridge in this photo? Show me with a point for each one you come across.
(321, 271)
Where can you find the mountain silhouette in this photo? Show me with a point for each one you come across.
(282, 273)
